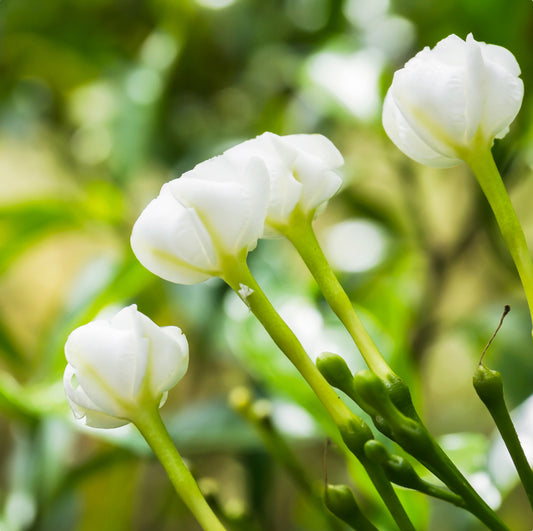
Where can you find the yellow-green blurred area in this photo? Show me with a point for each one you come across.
(101, 102)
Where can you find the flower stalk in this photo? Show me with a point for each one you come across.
(489, 387)
(484, 168)
(151, 426)
(302, 236)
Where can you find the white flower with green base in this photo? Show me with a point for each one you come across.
(447, 105)
(119, 371)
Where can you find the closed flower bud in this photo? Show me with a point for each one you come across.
(340, 500)
(447, 99)
(119, 366)
(336, 371)
(215, 211)
(488, 385)
(301, 172)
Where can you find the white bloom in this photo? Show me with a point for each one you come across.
(446, 98)
(300, 169)
(115, 367)
(209, 213)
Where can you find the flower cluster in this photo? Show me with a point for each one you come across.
(219, 209)
(195, 229)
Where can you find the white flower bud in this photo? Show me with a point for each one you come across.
(118, 366)
(446, 99)
(208, 214)
(300, 169)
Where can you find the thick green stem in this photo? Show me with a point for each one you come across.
(238, 276)
(482, 164)
(441, 465)
(300, 233)
(151, 426)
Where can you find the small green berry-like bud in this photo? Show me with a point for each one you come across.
(240, 399)
(488, 385)
(335, 370)
(376, 452)
(355, 433)
(398, 469)
(340, 500)
(371, 389)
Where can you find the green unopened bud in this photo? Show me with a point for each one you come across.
(355, 433)
(335, 370)
(261, 411)
(340, 500)
(401, 397)
(240, 399)
(408, 433)
(376, 452)
(371, 389)
(398, 469)
(488, 385)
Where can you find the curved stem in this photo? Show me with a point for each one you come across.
(239, 277)
(151, 426)
(482, 164)
(300, 233)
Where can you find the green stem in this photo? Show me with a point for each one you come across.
(151, 426)
(482, 164)
(489, 387)
(300, 233)
(387, 493)
(441, 465)
(505, 426)
(238, 276)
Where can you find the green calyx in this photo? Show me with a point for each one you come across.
(335, 370)
(340, 500)
(488, 385)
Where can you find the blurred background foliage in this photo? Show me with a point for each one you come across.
(101, 102)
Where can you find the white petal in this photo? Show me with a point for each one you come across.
(474, 72)
(405, 138)
(432, 100)
(317, 146)
(284, 189)
(105, 360)
(129, 319)
(83, 407)
(500, 56)
(502, 99)
(231, 212)
(171, 241)
(219, 169)
(319, 183)
(169, 358)
(95, 419)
